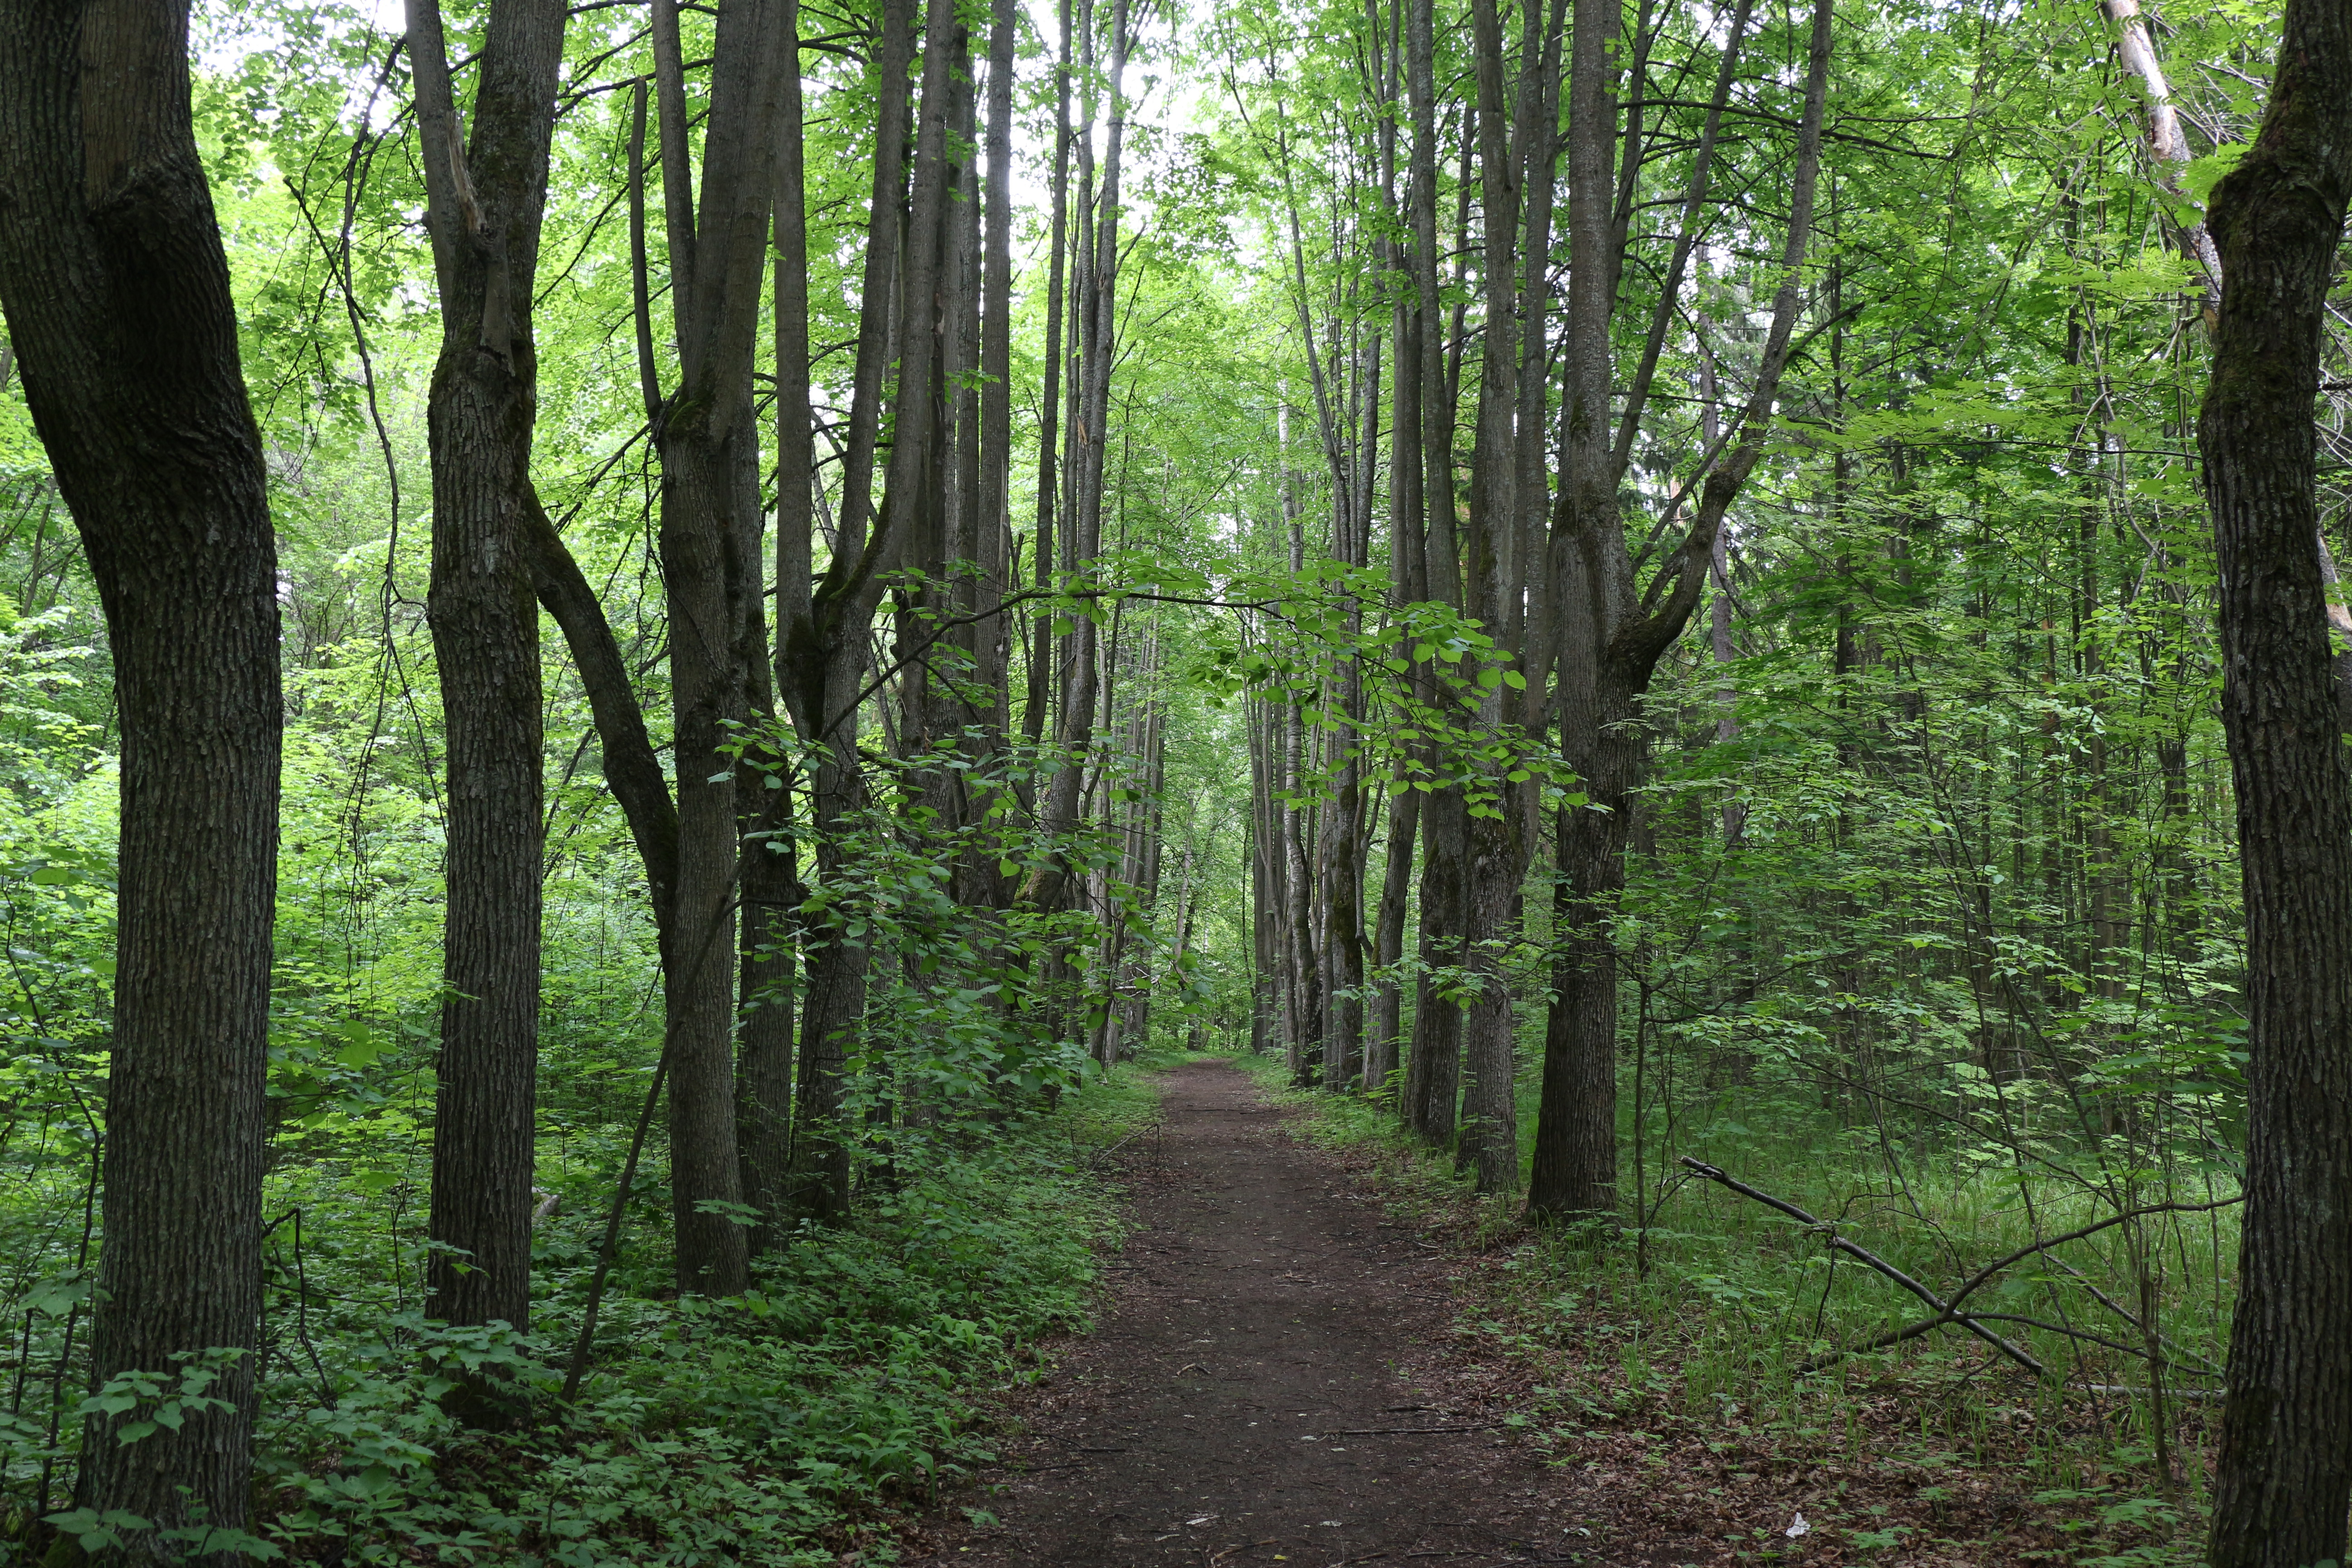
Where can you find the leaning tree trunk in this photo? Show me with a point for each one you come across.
(116, 291)
(2284, 1474)
(486, 203)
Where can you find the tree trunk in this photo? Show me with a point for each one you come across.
(486, 203)
(822, 664)
(766, 983)
(1433, 1073)
(2284, 1474)
(1608, 637)
(708, 450)
(1381, 1039)
(116, 291)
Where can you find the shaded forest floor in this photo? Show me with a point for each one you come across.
(1305, 1359)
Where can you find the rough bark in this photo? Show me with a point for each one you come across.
(1609, 639)
(708, 451)
(767, 981)
(823, 656)
(2284, 1474)
(486, 199)
(116, 291)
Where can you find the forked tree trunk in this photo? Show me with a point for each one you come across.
(2284, 1475)
(709, 447)
(116, 292)
(486, 202)
(1609, 638)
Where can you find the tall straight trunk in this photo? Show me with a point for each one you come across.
(486, 202)
(824, 650)
(709, 447)
(1382, 1037)
(1408, 581)
(1304, 979)
(2284, 1475)
(1434, 1071)
(1097, 305)
(116, 291)
(991, 660)
(925, 497)
(766, 982)
(1268, 907)
(1049, 406)
(1433, 1067)
(1501, 560)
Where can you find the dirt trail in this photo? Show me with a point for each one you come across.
(1270, 1383)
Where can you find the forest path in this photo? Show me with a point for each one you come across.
(1274, 1381)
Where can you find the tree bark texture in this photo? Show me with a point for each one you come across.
(708, 450)
(487, 198)
(2284, 1475)
(823, 654)
(766, 985)
(116, 291)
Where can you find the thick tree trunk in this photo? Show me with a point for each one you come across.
(2284, 1475)
(116, 292)
(1575, 1169)
(1487, 1142)
(706, 698)
(823, 665)
(486, 202)
(1609, 639)
(1097, 308)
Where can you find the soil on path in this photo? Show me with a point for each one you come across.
(1273, 1382)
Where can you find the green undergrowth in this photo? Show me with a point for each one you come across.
(781, 1428)
(1698, 1334)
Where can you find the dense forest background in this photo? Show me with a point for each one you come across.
(1617, 583)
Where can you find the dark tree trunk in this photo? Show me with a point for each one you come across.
(1049, 406)
(823, 652)
(1434, 1071)
(708, 450)
(1381, 1039)
(116, 292)
(1609, 638)
(485, 201)
(1097, 308)
(771, 891)
(992, 651)
(2284, 1475)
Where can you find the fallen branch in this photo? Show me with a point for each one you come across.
(1952, 1313)
(1944, 1311)
(1948, 1311)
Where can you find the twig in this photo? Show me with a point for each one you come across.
(1952, 1314)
